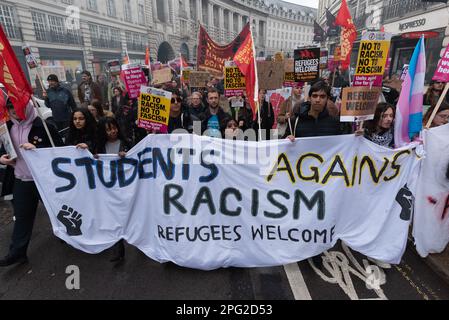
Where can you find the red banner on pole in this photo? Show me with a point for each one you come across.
(348, 34)
(211, 57)
(12, 77)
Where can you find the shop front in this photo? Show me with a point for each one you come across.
(406, 34)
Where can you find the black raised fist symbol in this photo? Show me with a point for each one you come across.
(71, 220)
(405, 199)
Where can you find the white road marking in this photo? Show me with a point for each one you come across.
(297, 283)
(337, 264)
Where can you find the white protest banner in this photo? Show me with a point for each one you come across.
(207, 203)
(134, 78)
(29, 57)
(431, 218)
(154, 109)
(114, 67)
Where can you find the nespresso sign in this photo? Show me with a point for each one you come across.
(412, 24)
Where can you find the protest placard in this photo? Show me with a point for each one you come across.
(404, 71)
(186, 75)
(199, 79)
(114, 67)
(29, 57)
(372, 59)
(442, 72)
(154, 109)
(162, 76)
(5, 140)
(323, 59)
(234, 81)
(271, 74)
(359, 103)
(134, 78)
(307, 64)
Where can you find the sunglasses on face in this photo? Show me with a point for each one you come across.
(177, 100)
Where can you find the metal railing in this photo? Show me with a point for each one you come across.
(59, 37)
(106, 43)
(399, 8)
(135, 46)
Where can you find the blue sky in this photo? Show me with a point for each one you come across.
(308, 3)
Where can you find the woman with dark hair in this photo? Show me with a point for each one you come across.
(96, 109)
(441, 118)
(381, 129)
(433, 93)
(118, 99)
(82, 130)
(110, 141)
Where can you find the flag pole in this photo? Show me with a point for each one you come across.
(43, 121)
(256, 88)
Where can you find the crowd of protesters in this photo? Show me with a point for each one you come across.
(105, 122)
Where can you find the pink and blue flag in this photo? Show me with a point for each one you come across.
(409, 110)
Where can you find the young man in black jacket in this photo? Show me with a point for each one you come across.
(316, 118)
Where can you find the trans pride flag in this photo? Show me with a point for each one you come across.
(409, 110)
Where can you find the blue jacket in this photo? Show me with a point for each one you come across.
(60, 101)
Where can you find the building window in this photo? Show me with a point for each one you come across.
(7, 19)
(141, 15)
(51, 28)
(67, 1)
(92, 5)
(104, 36)
(127, 10)
(110, 4)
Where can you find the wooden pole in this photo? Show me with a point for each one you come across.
(437, 107)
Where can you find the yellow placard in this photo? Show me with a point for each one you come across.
(234, 79)
(153, 109)
(372, 58)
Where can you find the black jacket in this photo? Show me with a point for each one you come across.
(61, 102)
(183, 121)
(308, 126)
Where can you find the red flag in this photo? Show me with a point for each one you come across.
(147, 56)
(12, 77)
(348, 34)
(4, 117)
(245, 60)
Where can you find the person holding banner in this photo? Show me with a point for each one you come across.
(27, 134)
(314, 118)
(381, 129)
(82, 131)
(441, 118)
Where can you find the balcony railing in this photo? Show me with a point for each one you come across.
(59, 37)
(399, 8)
(12, 32)
(106, 43)
(132, 46)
